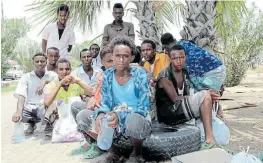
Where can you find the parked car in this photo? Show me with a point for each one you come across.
(13, 73)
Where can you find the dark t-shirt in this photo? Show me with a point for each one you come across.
(103, 68)
(166, 110)
(60, 32)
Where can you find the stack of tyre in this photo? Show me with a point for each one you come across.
(165, 142)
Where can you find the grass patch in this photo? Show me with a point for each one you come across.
(10, 88)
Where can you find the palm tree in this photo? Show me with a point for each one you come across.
(205, 19)
(152, 15)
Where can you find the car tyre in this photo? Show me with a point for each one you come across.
(163, 144)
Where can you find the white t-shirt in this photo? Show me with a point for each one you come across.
(80, 73)
(50, 33)
(29, 83)
(181, 91)
(96, 62)
(152, 67)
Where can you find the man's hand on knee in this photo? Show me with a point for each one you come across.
(92, 103)
(17, 117)
(215, 95)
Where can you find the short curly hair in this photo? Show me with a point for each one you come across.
(123, 40)
(106, 49)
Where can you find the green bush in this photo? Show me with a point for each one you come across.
(11, 31)
(236, 70)
(242, 46)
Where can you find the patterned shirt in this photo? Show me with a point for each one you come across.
(141, 91)
(97, 93)
(199, 61)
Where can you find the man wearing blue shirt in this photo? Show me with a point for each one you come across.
(125, 96)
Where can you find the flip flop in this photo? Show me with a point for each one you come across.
(30, 129)
(205, 146)
(93, 152)
(80, 150)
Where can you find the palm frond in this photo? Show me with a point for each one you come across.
(242, 46)
(82, 13)
(170, 11)
(228, 16)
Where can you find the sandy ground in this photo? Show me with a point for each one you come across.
(246, 124)
(246, 127)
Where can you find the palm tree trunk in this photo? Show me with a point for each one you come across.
(199, 24)
(148, 28)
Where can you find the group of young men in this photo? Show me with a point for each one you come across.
(186, 83)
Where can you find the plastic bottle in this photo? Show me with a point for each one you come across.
(104, 140)
(19, 135)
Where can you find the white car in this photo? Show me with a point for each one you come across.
(13, 74)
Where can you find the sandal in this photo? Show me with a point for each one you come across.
(80, 150)
(93, 152)
(215, 145)
(30, 129)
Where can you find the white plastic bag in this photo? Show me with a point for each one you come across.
(220, 130)
(244, 157)
(65, 129)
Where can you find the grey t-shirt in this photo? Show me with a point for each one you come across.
(111, 31)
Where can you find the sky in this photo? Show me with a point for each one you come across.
(16, 9)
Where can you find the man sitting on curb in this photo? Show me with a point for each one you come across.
(29, 107)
